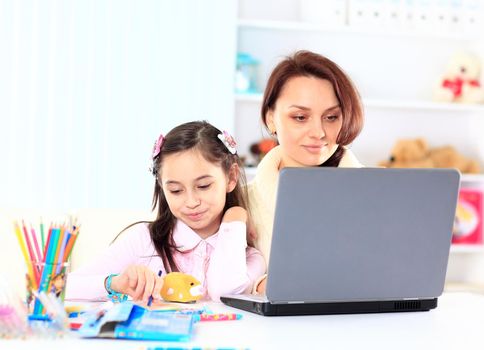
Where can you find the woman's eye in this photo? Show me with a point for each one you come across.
(175, 191)
(299, 118)
(332, 118)
(204, 187)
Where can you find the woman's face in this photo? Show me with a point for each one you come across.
(307, 119)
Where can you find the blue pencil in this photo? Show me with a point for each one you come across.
(150, 300)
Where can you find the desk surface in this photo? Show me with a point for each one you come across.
(457, 322)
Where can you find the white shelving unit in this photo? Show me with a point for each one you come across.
(395, 71)
(467, 248)
(289, 25)
(391, 104)
(473, 178)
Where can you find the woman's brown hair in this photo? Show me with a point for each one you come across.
(310, 64)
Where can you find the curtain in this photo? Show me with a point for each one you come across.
(87, 86)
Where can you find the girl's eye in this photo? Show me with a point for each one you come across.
(204, 187)
(175, 191)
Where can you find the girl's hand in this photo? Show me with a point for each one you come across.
(139, 282)
(235, 214)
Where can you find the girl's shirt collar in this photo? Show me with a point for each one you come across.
(186, 239)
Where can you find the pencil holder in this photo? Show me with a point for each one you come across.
(52, 285)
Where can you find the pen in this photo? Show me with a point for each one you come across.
(218, 317)
(150, 299)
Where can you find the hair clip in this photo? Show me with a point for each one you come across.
(228, 141)
(157, 146)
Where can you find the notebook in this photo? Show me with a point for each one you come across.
(128, 320)
(357, 240)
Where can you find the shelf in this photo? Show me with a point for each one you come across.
(472, 178)
(467, 248)
(422, 105)
(345, 29)
(387, 103)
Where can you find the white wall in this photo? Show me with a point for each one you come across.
(87, 86)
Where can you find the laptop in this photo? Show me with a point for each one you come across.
(357, 240)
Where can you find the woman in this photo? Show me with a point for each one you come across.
(313, 109)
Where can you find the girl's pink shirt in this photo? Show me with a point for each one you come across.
(223, 262)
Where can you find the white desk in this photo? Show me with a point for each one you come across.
(457, 323)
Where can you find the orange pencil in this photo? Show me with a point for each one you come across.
(69, 246)
(71, 243)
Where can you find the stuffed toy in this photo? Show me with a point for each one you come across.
(415, 153)
(261, 148)
(460, 82)
(465, 222)
(181, 287)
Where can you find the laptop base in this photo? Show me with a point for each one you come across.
(267, 308)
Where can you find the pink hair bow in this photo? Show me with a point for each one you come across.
(228, 141)
(157, 146)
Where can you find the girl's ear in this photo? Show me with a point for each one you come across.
(233, 177)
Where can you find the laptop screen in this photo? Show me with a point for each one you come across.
(361, 234)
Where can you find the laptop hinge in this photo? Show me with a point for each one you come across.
(287, 302)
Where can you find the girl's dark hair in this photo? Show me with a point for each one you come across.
(310, 64)
(202, 136)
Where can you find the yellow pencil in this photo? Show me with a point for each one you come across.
(23, 248)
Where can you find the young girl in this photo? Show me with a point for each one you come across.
(200, 228)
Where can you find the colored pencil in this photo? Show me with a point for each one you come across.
(60, 260)
(47, 260)
(42, 232)
(30, 249)
(218, 317)
(36, 244)
(23, 249)
(71, 243)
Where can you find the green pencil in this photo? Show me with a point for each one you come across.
(42, 233)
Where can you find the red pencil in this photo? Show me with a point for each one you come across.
(31, 251)
(219, 317)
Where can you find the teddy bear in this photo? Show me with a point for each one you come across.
(460, 83)
(181, 287)
(415, 153)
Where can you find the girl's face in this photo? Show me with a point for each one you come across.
(307, 119)
(196, 189)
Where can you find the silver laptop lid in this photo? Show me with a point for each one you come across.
(347, 234)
